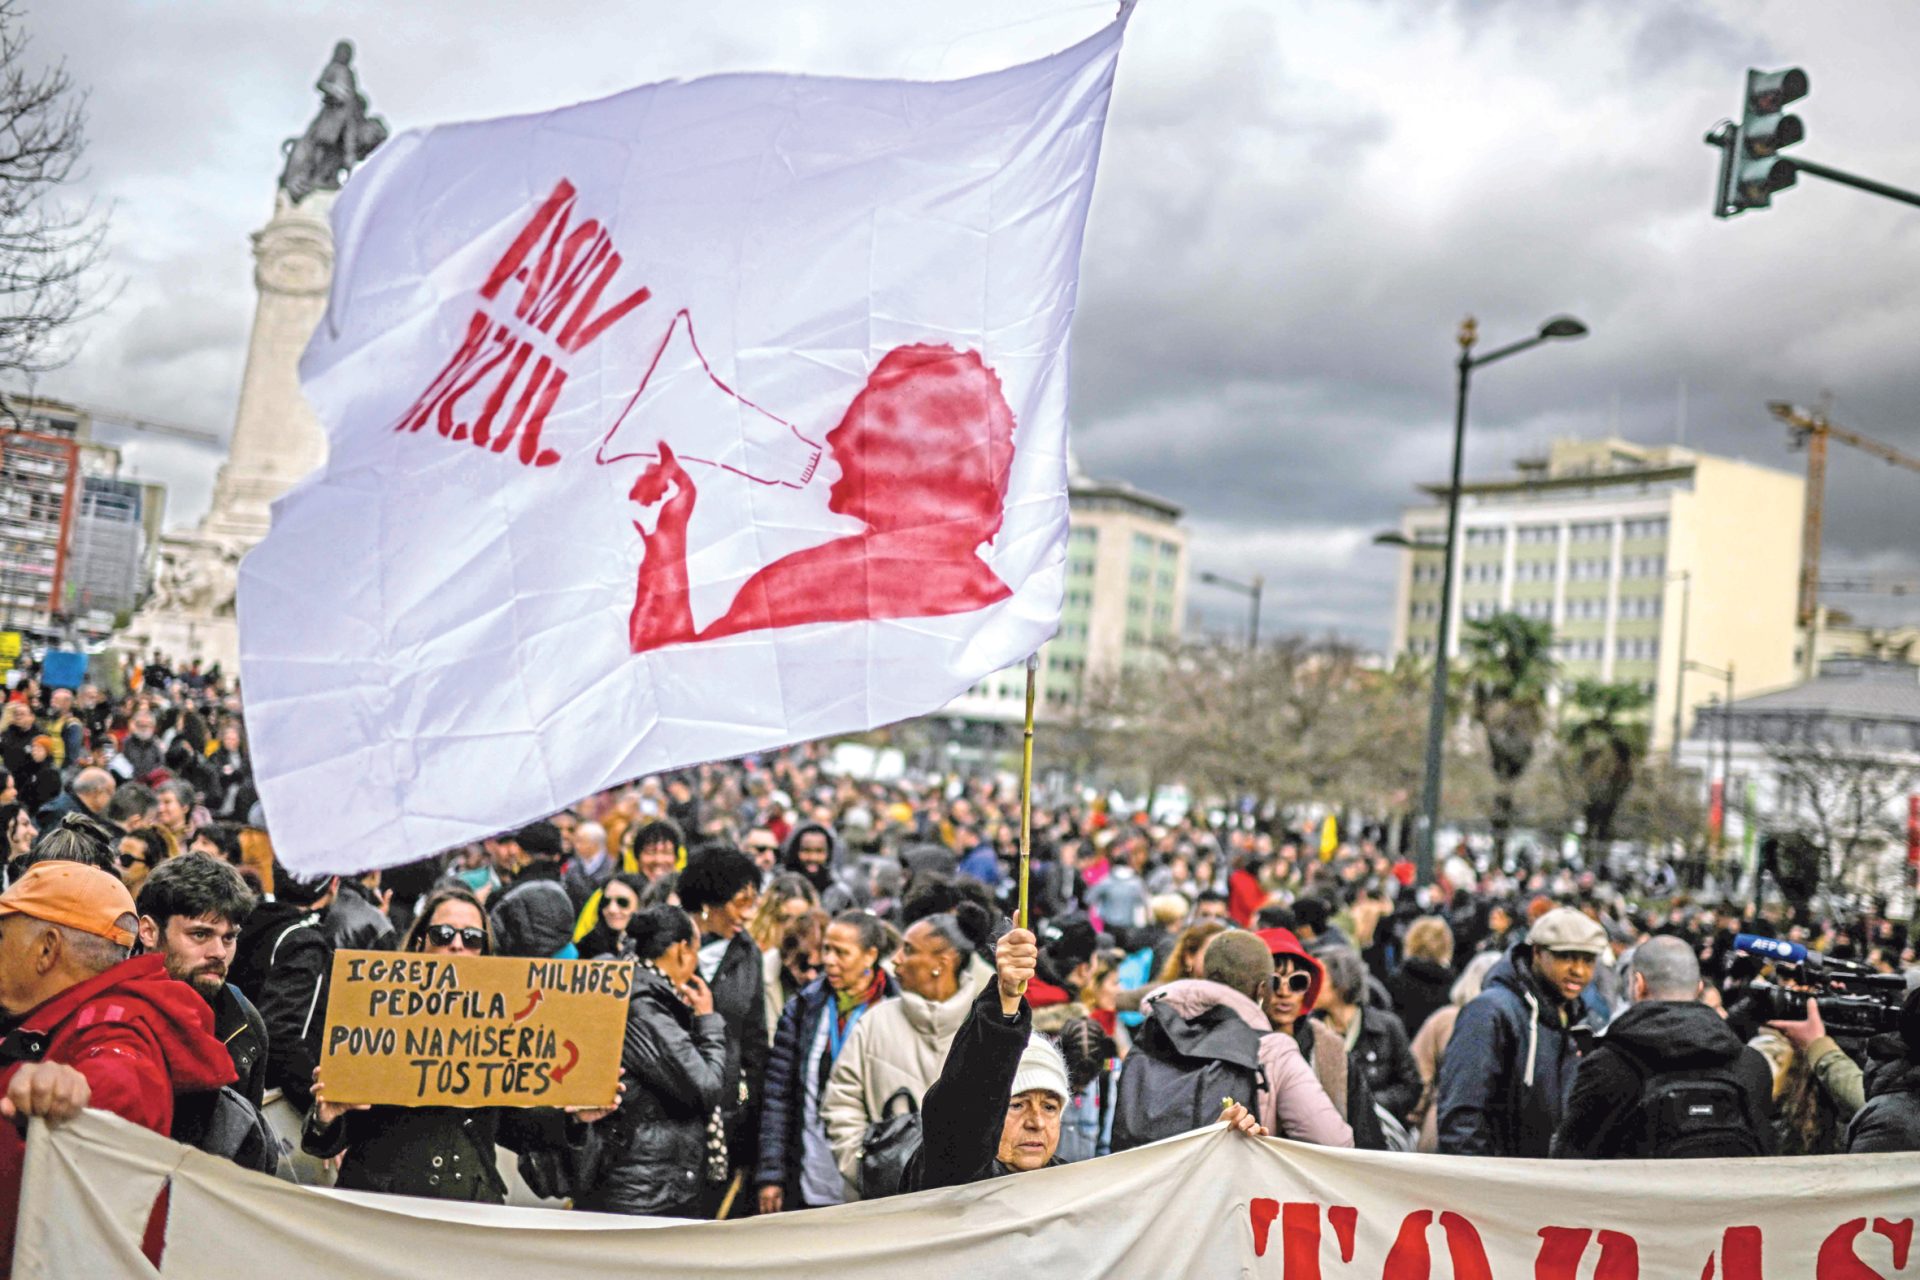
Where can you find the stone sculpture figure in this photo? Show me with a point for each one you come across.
(341, 135)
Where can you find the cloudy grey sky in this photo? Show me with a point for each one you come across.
(1298, 201)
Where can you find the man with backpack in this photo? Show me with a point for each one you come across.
(1205, 1040)
(1667, 1079)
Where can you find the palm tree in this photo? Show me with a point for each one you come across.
(1605, 739)
(1510, 668)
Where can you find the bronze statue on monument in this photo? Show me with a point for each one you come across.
(340, 137)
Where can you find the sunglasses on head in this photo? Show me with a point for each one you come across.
(442, 935)
(1296, 982)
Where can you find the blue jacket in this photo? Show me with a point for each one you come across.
(783, 1104)
(1508, 1069)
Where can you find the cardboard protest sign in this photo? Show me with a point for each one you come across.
(474, 1031)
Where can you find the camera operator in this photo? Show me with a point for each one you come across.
(1890, 1118)
(1839, 1076)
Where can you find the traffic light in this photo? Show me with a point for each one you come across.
(1753, 168)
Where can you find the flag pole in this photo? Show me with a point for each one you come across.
(1026, 792)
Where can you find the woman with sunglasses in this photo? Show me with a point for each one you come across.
(1297, 979)
(139, 853)
(611, 937)
(442, 1153)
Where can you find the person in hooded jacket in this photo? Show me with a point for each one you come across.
(1665, 1031)
(797, 1169)
(667, 1145)
(90, 1027)
(284, 964)
(813, 851)
(1890, 1118)
(1297, 980)
(1509, 1067)
(533, 916)
(357, 920)
(1290, 1102)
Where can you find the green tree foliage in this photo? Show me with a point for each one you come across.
(1604, 734)
(1510, 669)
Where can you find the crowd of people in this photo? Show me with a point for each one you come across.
(831, 1002)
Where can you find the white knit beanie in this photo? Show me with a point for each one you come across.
(1041, 1067)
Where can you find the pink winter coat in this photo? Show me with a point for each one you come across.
(1293, 1105)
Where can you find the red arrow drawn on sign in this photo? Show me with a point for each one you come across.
(573, 1060)
(532, 1004)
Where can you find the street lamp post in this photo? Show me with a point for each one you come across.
(1558, 327)
(1725, 674)
(1252, 591)
(1680, 671)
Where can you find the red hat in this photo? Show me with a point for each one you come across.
(1282, 942)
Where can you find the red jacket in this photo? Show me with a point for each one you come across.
(138, 1036)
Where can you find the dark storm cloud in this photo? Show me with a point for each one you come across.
(1297, 204)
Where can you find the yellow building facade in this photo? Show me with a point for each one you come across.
(1641, 558)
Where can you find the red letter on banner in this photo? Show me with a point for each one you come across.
(1839, 1261)
(1561, 1249)
(1409, 1258)
(1739, 1255)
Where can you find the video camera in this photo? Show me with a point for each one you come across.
(1853, 1000)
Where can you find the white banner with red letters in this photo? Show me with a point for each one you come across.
(1208, 1205)
(702, 419)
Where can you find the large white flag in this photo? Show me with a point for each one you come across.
(701, 419)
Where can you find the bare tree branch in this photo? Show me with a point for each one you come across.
(50, 250)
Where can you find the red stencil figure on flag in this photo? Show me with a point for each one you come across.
(924, 454)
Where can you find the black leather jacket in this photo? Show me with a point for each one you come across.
(673, 1065)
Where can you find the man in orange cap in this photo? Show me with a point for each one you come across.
(95, 1029)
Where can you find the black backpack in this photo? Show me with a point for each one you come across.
(1181, 1072)
(224, 1123)
(1694, 1116)
(891, 1142)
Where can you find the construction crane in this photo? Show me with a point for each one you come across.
(116, 418)
(1811, 431)
(1869, 586)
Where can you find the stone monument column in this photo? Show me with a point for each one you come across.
(276, 438)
